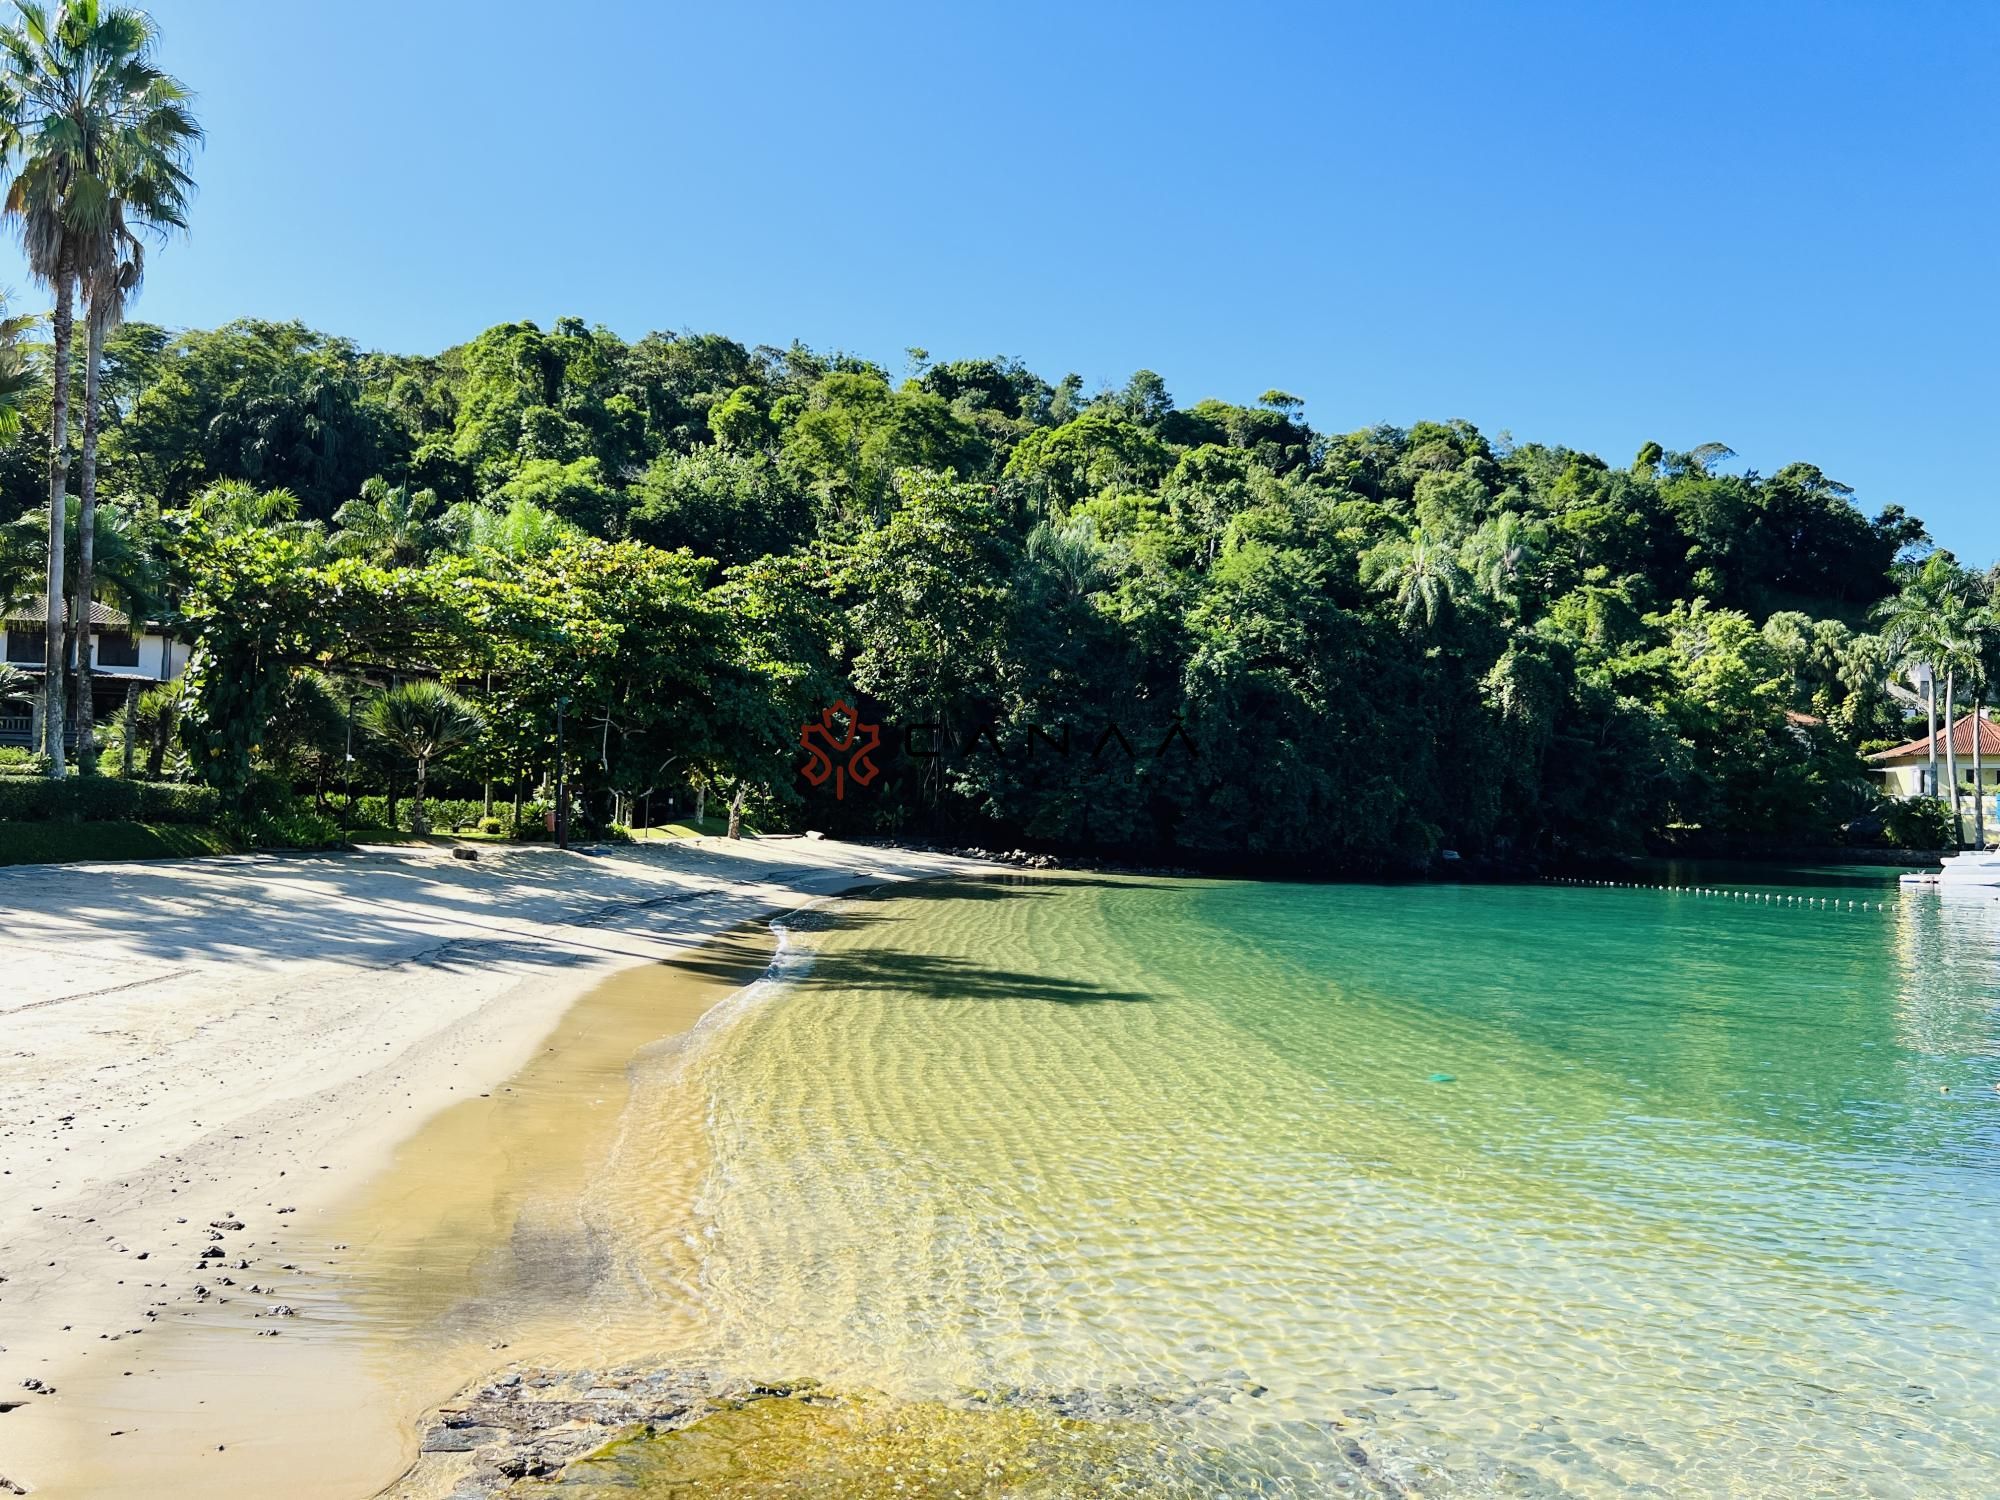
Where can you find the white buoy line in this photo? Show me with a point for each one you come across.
(1769, 898)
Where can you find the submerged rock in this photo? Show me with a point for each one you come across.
(596, 1432)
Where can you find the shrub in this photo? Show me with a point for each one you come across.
(293, 828)
(265, 792)
(103, 799)
(493, 825)
(17, 760)
(52, 843)
(1919, 823)
(444, 813)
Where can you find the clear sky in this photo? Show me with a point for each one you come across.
(1769, 225)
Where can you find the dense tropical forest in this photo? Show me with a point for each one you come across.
(1087, 619)
(571, 576)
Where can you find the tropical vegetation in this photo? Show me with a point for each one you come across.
(553, 562)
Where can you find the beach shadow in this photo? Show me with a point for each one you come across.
(930, 976)
(369, 910)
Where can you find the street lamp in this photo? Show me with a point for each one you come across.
(562, 785)
(347, 812)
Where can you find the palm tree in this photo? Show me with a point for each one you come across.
(1498, 556)
(1982, 666)
(390, 526)
(423, 720)
(16, 686)
(17, 376)
(100, 138)
(105, 289)
(1958, 654)
(1421, 573)
(231, 507)
(1914, 632)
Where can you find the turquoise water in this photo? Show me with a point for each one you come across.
(1324, 1189)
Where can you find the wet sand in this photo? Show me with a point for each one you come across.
(243, 1252)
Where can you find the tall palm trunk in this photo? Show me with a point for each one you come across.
(1978, 772)
(419, 825)
(1930, 719)
(1951, 759)
(52, 654)
(86, 529)
(131, 717)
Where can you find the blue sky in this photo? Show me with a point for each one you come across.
(1772, 226)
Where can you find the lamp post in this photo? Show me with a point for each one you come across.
(347, 812)
(562, 785)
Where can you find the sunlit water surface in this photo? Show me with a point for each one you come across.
(1318, 1189)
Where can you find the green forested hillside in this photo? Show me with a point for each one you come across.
(1350, 648)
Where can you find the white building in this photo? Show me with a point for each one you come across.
(118, 658)
(1904, 770)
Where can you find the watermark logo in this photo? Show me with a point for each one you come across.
(841, 747)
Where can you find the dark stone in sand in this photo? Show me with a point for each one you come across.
(459, 1439)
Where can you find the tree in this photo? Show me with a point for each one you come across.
(1959, 655)
(1500, 556)
(275, 405)
(1984, 638)
(390, 526)
(16, 686)
(101, 138)
(1913, 627)
(1420, 573)
(423, 720)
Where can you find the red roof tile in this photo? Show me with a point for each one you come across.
(1961, 742)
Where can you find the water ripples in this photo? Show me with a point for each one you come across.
(1694, 1212)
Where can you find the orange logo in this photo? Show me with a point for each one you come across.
(839, 732)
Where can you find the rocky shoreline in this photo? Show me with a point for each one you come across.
(527, 1426)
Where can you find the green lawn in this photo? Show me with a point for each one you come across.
(57, 843)
(687, 828)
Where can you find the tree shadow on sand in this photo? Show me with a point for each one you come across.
(933, 976)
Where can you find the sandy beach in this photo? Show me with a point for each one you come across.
(207, 1064)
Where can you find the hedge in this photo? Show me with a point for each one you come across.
(444, 813)
(55, 843)
(105, 799)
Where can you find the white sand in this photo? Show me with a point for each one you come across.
(193, 1040)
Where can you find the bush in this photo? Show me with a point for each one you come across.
(1919, 823)
(293, 828)
(266, 792)
(103, 799)
(16, 760)
(494, 826)
(53, 843)
(446, 814)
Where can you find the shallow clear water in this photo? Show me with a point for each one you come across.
(1474, 1190)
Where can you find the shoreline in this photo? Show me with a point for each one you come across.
(203, 1083)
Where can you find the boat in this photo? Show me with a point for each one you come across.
(1974, 867)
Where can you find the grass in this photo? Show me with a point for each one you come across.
(61, 843)
(687, 828)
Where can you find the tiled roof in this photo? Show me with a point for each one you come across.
(33, 610)
(1961, 742)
